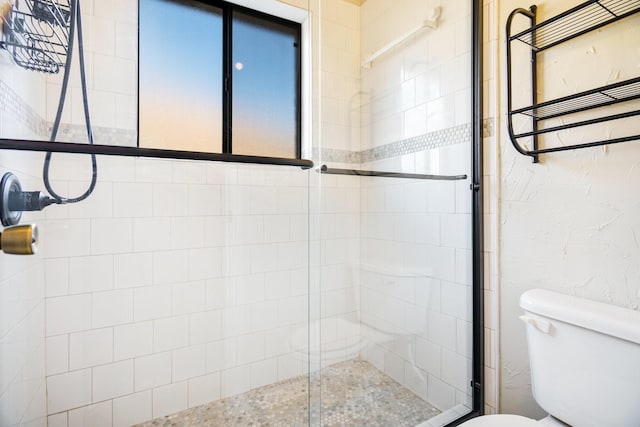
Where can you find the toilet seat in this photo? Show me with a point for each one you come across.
(501, 420)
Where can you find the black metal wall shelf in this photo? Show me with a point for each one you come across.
(584, 18)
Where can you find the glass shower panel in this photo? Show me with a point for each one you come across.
(395, 160)
(176, 293)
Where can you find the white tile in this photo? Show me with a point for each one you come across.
(235, 381)
(151, 302)
(291, 310)
(68, 391)
(132, 270)
(67, 237)
(263, 200)
(90, 274)
(132, 340)
(187, 232)
(440, 394)
(204, 389)
(151, 234)
(205, 263)
(264, 258)
(415, 121)
(288, 367)
(171, 266)
(171, 333)
(442, 330)
(153, 170)
(56, 277)
(456, 370)
(456, 230)
(113, 380)
(204, 200)
(98, 415)
(205, 327)
(57, 354)
(68, 314)
(264, 316)
(250, 289)
(236, 260)
(394, 367)
(57, 420)
(170, 399)
(188, 298)
(90, 348)
(428, 356)
(219, 293)
(278, 341)
(170, 200)
(99, 205)
(264, 372)
(251, 348)
(236, 320)
(132, 409)
(132, 200)
(117, 168)
(456, 300)
(189, 172)
(221, 355)
(464, 267)
(277, 228)
(464, 339)
(416, 380)
(152, 371)
(189, 362)
(217, 231)
(112, 308)
(277, 284)
(113, 74)
(111, 236)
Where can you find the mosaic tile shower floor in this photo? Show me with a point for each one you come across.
(354, 393)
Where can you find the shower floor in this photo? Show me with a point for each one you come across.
(354, 393)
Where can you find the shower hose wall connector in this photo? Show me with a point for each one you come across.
(14, 201)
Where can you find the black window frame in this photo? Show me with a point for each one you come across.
(228, 11)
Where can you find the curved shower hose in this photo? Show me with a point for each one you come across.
(75, 24)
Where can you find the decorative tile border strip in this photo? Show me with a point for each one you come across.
(15, 107)
(18, 109)
(441, 138)
(341, 156)
(101, 135)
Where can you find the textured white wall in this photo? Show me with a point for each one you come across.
(570, 223)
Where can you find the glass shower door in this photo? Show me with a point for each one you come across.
(395, 158)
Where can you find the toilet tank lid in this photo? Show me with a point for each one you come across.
(608, 319)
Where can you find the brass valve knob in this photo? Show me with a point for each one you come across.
(19, 239)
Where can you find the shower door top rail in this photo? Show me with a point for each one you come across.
(117, 150)
(357, 172)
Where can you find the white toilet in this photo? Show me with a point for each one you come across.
(585, 363)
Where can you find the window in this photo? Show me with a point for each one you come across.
(216, 77)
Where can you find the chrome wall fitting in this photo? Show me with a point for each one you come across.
(9, 185)
(14, 201)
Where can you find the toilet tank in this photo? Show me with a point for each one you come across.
(585, 359)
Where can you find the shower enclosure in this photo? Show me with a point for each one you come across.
(339, 287)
